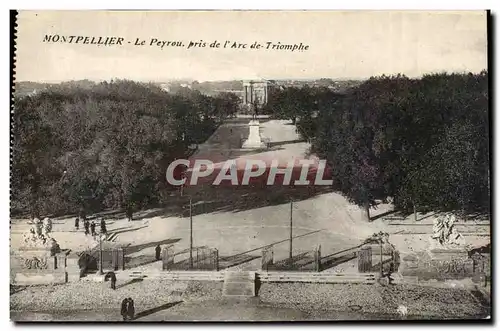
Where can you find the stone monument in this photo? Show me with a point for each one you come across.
(446, 242)
(39, 260)
(445, 258)
(35, 241)
(444, 233)
(254, 139)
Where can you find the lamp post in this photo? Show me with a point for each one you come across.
(291, 227)
(381, 258)
(184, 178)
(100, 255)
(190, 233)
(190, 230)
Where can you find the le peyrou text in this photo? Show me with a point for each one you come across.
(165, 44)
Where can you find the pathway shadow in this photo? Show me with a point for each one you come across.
(331, 262)
(221, 199)
(137, 248)
(390, 212)
(108, 214)
(123, 230)
(186, 250)
(137, 261)
(231, 261)
(297, 262)
(221, 157)
(286, 142)
(236, 256)
(130, 282)
(172, 208)
(156, 309)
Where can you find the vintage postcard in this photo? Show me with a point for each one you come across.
(250, 166)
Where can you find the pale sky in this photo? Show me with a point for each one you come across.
(356, 44)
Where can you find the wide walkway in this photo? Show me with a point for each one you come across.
(242, 220)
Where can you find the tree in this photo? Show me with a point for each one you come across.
(226, 105)
(451, 171)
(424, 142)
(107, 146)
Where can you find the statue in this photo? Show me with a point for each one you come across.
(47, 227)
(30, 236)
(38, 226)
(254, 140)
(444, 233)
(38, 236)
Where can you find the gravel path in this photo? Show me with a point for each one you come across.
(204, 301)
(83, 295)
(421, 302)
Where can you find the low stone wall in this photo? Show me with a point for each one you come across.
(37, 266)
(48, 278)
(442, 265)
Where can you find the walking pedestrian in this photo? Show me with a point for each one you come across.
(129, 213)
(103, 227)
(124, 310)
(158, 252)
(92, 228)
(86, 226)
(113, 281)
(77, 224)
(130, 309)
(112, 278)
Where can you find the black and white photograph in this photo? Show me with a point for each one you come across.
(250, 166)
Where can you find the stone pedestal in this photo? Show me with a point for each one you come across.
(439, 264)
(31, 266)
(443, 254)
(73, 268)
(239, 284)
(254, 139)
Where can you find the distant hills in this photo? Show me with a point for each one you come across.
(27, 88)
(236, 86)
(207, 88)
(335, 85)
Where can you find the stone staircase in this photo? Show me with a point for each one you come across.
(239, 284)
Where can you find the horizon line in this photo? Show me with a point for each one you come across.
(244, 79)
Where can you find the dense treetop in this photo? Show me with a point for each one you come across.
(424, 142)
(104, 146)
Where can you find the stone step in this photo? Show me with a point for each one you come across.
(239, 284)
(243, 279)
(244, 275)
(236, 289)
